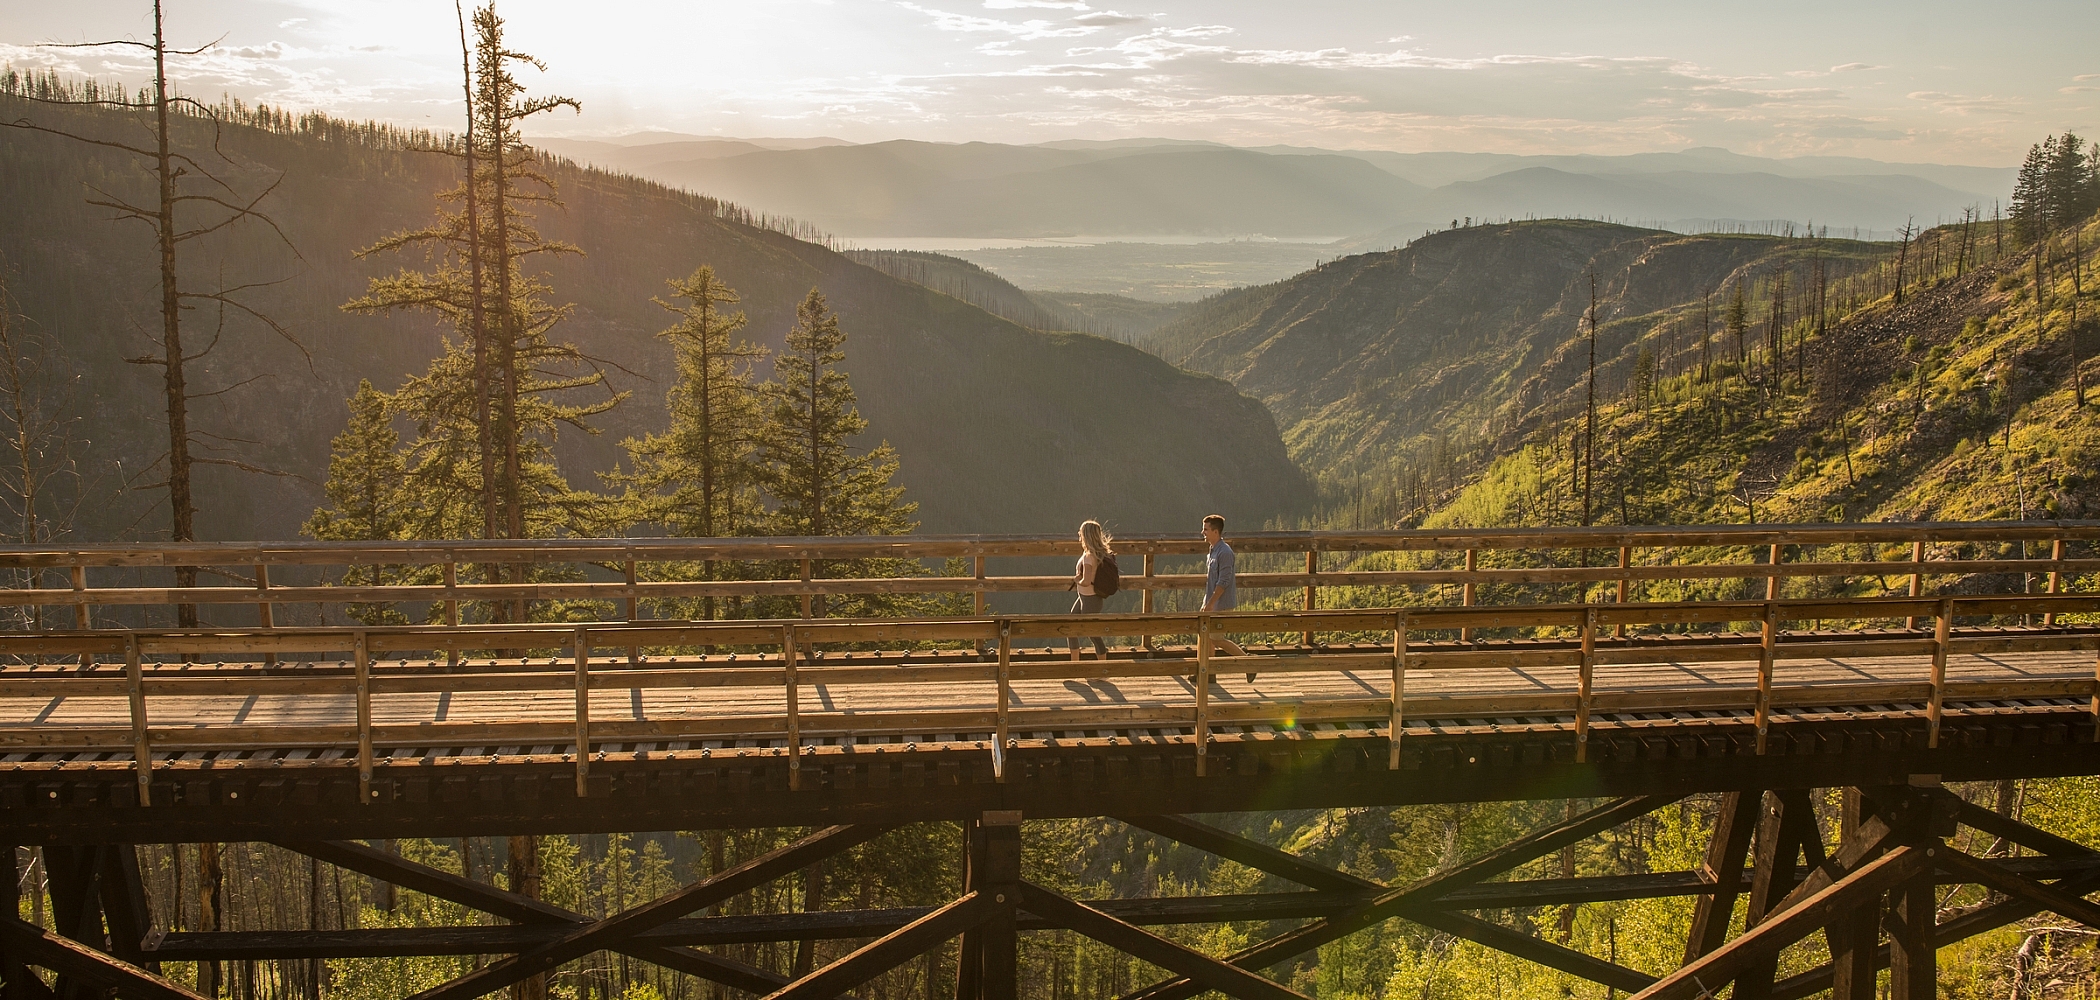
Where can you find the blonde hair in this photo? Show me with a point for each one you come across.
(1096, 539)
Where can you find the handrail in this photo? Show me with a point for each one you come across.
(1762, 550)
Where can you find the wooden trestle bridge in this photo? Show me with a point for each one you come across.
(1499, 665)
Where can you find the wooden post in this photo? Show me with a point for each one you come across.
(265, 612)
(977, 601)
(794, 705)
(1912, 971)
(1584, 676)
(634, 610)
(1625, 560)
(1767, 650)
(1917, 579)
(362, 656)
(1723, 869)
(1939, 670)
(1006, 648)
(81, 615)
(1202, 692)
(581, 646)
(1772, 579)
(1392, 760)
(1853, 934)
(806, 595)
(1145, 597)
(1472, 566)
(2056, 579)
(1312, 571)
(451, 606)
(141, 745)
(999, 877)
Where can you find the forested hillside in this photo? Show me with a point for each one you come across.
(980, 409)
(1386, 364)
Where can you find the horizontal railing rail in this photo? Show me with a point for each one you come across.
(1389, 644)
(55, 587)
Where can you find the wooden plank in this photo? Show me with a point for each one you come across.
(70, 958)
(1535, 949)
(1253, 854)
(1734, 821)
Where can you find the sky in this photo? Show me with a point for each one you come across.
(1915, 81)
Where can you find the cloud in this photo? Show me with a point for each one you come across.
(1855, 67)
(1959, 103)
(1104, 18)
(2083, 77)
(1046, 4)
(971, 23)
(291, 22)
(2077, 90)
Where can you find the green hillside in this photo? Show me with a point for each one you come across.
(1460, 343)
(982, 410)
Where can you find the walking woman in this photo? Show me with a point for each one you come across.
(1094, 553)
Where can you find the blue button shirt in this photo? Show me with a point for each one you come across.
(1218, 573)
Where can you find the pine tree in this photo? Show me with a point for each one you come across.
(699, 478)
(1739, 326)
(490, 406)
(366, 494)
(819, 484)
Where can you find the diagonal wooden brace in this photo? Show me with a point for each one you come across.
(889, 951)
(1421, 893)
(71, 958)
(615, 930)
(1715, 969)
(1253, 854)
(1994, 876)
(1536, 949)
(353, 856)
(1212, 973)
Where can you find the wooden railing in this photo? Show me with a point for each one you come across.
(158, 668)
(625, 574)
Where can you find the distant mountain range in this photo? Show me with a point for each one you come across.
(1140, 187)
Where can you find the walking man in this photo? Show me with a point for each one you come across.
(1220, 584)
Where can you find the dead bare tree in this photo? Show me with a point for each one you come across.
(191, 201)
(42, 481)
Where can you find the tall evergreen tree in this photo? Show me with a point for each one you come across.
(1739, 325)
(367, 493)
(488, 409)
(819, 484)
(700, 477)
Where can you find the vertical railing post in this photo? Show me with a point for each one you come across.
(634, 611)
(1772, 578)
(1917, 579)
(581, 646)
(1940, 632)
(1006, 648)
(806, 595)
(977, 602)
(1584, 677)
(1392, 757)
(81, 615)
(1145, 595)
(452, 605)
(1472, 566)
(1312, 571)
(141, 744)
(1767, 650)
(1625, 560)
(362, 656)
(2056, 578)
(794, 705)
(265, 612)
(1202, 692)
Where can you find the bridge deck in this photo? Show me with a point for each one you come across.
(528, 709)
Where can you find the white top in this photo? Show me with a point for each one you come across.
(1085, 572)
